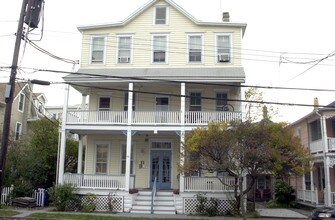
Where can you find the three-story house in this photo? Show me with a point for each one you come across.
(148, 80)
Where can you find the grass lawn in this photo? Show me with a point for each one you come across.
(5, 212)
(84, 216)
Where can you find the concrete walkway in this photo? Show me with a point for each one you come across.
(266, 213)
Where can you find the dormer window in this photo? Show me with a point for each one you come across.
(161, 15)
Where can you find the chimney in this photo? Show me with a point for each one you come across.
(225, 16)
(316, 104)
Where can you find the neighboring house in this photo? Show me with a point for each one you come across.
(56, 111)
(150, 79)
(23, 107)
(317, 133)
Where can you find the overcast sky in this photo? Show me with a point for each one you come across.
(278, 31)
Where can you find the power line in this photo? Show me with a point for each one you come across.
(207, 98)
(175, 81)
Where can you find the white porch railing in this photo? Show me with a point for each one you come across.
(310, 196)
(209, 184)
(156, 117)
(149, 117)
(98, 181)
(317, 146)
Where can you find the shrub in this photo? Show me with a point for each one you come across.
(284, 194)
(62, 196)
(22, 189)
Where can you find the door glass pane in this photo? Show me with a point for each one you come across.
(155, 167)
(166, 167)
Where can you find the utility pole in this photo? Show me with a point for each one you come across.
(10, 89)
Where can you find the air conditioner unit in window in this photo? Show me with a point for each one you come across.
(124, 59)
(223, 58)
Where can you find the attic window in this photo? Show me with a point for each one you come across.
(161, 15)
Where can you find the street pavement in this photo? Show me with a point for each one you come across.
(265, 213)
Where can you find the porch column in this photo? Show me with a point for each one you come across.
(80, 147)
(303, 187)
(80, 155)
(326, 160)
(129, 135)
(182, 136)
(63, 137)
(313, 186)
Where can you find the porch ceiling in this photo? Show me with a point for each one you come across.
(92, 130)
(96, 77)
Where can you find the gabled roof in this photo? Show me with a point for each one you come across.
(150, 4)
(329, 108)
(18, 88)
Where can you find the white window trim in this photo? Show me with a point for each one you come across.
(166, 51)
(20, 131)
(162, 96)
(23, 102)
(216, 48)
(95, 156)
(133, 147)
(202, 48)
(91, 49)
(167, 14)
(189, 99)
(131, 48)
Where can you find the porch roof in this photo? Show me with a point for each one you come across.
(227, 74)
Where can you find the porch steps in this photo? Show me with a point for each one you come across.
(163, 204)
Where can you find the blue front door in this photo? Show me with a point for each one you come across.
(161, 168)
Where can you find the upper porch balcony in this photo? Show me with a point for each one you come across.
(317, 146)
(164, 118)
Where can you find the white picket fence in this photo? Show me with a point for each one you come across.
(38, 194)
(4, 195)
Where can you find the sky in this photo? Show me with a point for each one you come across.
(287, 43)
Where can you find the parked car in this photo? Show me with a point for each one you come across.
(322, 213)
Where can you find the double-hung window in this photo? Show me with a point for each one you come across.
(223, 48)
(123, 159)
(98, 48)
(195, 48)
(221, 101)
(21, 102)
(18, 129)
(159, 48)
(124, 49)
(195, 101)
(101, 158)
(125, 107)
(161, 13)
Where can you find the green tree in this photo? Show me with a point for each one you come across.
(33, 159)
(244, 148)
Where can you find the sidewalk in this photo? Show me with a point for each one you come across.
(266, 213)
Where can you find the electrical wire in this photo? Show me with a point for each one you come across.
(175, 81)
(206, 98)
(50, 54)
(36, 108)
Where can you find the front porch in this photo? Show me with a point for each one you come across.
(117, 182)
(107, 188)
